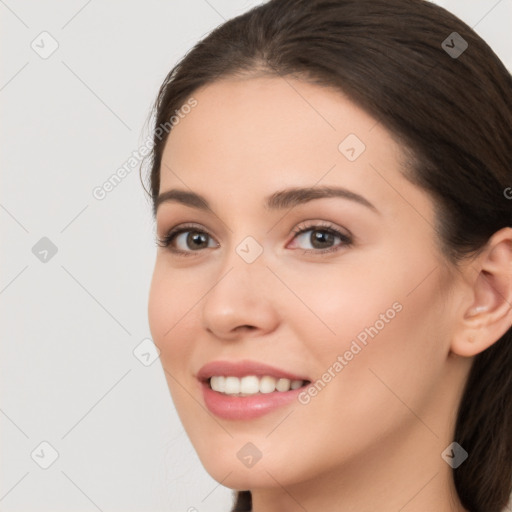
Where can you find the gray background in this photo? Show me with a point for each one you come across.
(71, 323)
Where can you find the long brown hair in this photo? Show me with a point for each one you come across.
(449, 105)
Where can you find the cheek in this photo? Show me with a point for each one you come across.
(391, 301)
(159, 306)
(379, 341)
(337, 305)
(170, 313)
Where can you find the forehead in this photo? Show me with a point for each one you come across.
(271, 117)
(253, 136)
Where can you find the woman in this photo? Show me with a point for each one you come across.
(333, 285)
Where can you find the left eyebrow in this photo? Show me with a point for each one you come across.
(280, 200)
(295, 196)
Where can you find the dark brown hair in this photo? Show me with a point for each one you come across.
(452, 115)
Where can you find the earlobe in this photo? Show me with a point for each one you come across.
(489, 315)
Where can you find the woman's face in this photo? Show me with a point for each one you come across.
(356, 303)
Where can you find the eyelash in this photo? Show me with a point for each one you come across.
(300, 229)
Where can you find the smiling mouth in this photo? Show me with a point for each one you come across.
(253, 385)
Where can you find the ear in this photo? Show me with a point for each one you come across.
(489, 295)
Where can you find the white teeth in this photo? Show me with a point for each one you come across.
(296, 384)
(267, 384)
(232, 386)
(251, 385)
(218, 384)
(284, 384)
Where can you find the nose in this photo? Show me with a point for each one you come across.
(240, 300)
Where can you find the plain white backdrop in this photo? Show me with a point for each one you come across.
(87, 423)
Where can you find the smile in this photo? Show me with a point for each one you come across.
(252, 385)
(245, 390)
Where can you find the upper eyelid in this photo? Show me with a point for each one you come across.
(301, 226)
(310, 225)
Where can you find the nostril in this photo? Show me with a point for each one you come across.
(246, 327)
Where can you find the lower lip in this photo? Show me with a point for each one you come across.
(231, 407)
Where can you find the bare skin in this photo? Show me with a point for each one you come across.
(372, 438)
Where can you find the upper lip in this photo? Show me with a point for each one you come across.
(244, 368)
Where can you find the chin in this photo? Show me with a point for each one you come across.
(237, 477)
(238, 464)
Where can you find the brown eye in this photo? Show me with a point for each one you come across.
(186, 240)
(321, 239)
